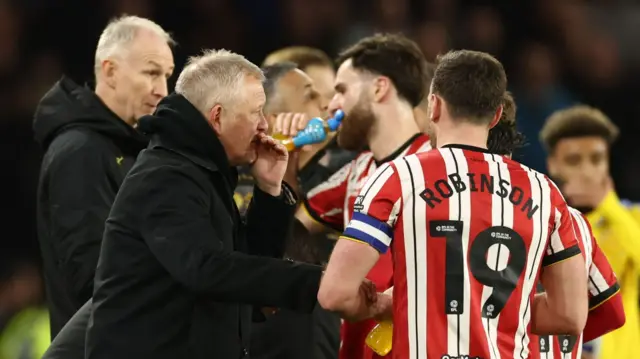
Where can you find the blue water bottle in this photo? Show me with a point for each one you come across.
(316, 131)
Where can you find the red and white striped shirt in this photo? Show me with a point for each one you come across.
(331, 203)
(469, 232)
(602, 286)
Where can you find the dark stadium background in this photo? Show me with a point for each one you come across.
(557, 53)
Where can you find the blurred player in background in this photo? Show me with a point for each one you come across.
(377, 94)
(314, 62)
(578, 141)
(453, 288)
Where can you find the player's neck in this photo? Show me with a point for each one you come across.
(396, 125)
(463, 134)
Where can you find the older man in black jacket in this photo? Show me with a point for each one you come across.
(179, 271)
(90, 145)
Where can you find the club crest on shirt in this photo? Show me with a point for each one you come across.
(357, 205)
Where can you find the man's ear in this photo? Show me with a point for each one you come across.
(496, 117)
(215, 119)
(435, 104)
(108, 71)
(380, 88)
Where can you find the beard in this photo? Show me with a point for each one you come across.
(353, 134)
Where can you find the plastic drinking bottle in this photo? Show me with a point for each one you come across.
(316, 131)
(380, 338)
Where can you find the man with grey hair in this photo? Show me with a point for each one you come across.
(292, 99)
(90, 144)
(179, 269)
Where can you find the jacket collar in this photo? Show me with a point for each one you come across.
(67, 105)
(179, 127)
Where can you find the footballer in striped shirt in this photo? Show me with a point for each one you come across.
(377, 95)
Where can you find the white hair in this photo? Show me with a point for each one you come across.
(215, 77)
(120, 32)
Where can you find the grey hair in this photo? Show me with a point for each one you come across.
(215, 77)
(273, 74)
(120, 32)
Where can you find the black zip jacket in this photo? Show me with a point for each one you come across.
(88, 151)
(179, 270)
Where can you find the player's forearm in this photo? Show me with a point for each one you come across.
(542, 322)
(548, 319)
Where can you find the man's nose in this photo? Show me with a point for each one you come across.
(324, 105)
(334, 104)
(263, 124)
(160, 88)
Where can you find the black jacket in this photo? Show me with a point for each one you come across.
(69, 343)
(178, 270)
(88, 151)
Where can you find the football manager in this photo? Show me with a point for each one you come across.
(179, 269)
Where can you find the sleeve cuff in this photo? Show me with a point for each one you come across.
(558, 257)
(599, 299)
(272, 212)
(316, 217)
(287, 196)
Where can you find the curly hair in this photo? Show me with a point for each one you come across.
(504, 138)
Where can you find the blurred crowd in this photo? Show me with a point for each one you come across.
(557, 53)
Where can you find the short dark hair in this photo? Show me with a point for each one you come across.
(504, 137)
(394, 56)
(472, 83)
(577, 121)
(304, 56)
(273, 74)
